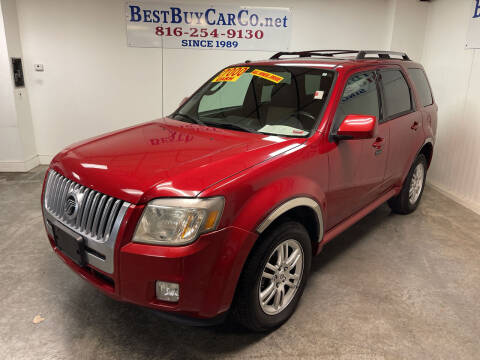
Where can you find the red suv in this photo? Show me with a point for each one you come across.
(222, 204)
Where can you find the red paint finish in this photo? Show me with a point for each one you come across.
(162, 158)
(207, 271)
(255, 173)
(358, 127)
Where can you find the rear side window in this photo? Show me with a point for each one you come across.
(360, 97)
(397, 97)
(421, 84)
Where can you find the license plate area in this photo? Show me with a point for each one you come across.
(70, 243)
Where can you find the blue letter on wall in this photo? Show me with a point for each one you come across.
(135, 13)
(176, 18)
(476, 13)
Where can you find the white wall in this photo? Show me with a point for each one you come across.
(407, 26)
(454, 73)
(10, 145)
(17, 142)
(94, 83)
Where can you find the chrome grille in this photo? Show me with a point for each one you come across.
(96, 213)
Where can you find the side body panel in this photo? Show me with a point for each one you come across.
(429, 113)
(356, 174)
(407, 136)
(252, 195)
(405, 143)
(356, 167)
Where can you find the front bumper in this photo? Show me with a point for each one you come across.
(206, 270)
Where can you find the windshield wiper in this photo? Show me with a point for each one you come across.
(230, 126)
(190, 118)
(214, 124)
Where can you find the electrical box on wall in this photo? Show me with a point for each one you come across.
(17, 69)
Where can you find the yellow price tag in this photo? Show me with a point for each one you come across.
(266, 75)
(230, 74)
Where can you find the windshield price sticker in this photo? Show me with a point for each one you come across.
(197, 26)
(230, 74)
(318, 95)
(266, 75)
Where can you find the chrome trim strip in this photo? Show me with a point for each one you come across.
(84, 191)
(112, 217)
(103, 219)
(86, 210)
(290, 204)
(98, 214)
(92, 212)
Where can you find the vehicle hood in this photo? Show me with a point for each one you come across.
(165, 158)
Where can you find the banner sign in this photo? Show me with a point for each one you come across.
(473, 34)
(196, 26)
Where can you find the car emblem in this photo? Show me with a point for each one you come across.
(71, 205)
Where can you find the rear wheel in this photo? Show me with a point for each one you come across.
(412, 190)
(274, 278)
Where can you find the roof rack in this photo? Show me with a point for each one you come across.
(361, 54)
(382, 54)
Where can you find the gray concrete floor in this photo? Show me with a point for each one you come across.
(392, 287)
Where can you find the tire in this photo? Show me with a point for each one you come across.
(247, 307)
(405, 203)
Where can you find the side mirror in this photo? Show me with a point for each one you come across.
(183, 101)
(355, 127)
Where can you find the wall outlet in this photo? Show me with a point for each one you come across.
(38, 67)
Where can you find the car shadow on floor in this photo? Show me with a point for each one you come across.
(352, 236)
(128, 329)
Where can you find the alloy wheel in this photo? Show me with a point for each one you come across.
(416, 184)
(281, 277)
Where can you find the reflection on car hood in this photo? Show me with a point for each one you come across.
(165, 157)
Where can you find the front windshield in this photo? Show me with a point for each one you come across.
(277, 100)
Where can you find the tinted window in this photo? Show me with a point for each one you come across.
(229, 95)
(313, 82)
(278, 100)
(360, 97)
(421, 84)
(397, 94)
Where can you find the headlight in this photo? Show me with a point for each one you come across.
(178, 221)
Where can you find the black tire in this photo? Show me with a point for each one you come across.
(246, 306)
(401, 203)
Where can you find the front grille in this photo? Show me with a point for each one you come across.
(84, 210)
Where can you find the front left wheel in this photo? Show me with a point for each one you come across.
(274, 278)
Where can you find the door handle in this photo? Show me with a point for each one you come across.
(414, 126)
(378, 144)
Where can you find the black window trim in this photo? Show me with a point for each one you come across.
(380, 120)
(413, 104)
(428, 83)
(381, 100)
(320, 117)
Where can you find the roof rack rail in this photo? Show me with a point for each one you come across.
(382, 54)
(309, 53)
(361, 54)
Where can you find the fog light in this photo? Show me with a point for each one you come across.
(167, 291)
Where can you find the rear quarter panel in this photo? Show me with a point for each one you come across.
(429, 113)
